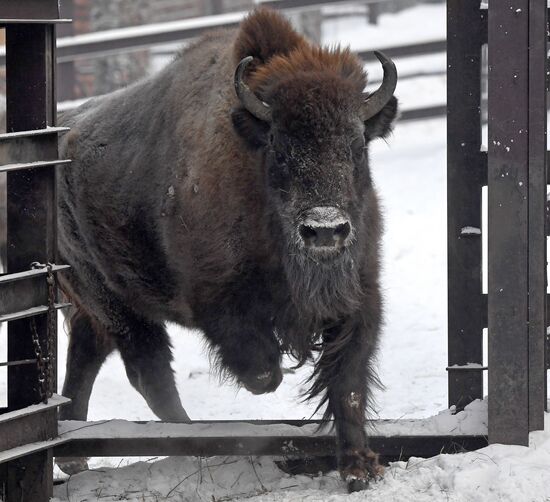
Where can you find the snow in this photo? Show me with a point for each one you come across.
(423, 23)
(470, 231)
(470, 421)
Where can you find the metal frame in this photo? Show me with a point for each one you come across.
(514, 169)
(517, 201)
(29, 155)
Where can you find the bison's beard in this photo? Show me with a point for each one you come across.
(323, 289)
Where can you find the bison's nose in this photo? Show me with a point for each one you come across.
(325, 227)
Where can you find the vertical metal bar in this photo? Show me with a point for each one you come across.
(537, 202)
(465, 172)
(29, 478)
(508, 177)
(30, 62)
(31, 194)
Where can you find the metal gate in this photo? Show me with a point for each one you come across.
(28, 297)
(514, 169)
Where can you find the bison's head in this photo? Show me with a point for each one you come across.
(312, 123)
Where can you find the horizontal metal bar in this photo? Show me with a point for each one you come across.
(27, 274)
(21, 362)
(7, 22)
(35, 424)
(42, 309)
(419, 49)
(397, 447)
(53, 402)
(32, 165)
(424, 113)
(466, 368)
(32, 133)
(236, 438)
(28, 449)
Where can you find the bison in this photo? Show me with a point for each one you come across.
(231, 192)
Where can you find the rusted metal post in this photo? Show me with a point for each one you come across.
(517, 242)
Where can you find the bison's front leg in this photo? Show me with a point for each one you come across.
(348, 359)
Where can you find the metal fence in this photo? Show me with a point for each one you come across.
(28, 299)
(514, 169)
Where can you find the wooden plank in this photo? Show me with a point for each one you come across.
(538, 63)
(464, 182)
(508, 205)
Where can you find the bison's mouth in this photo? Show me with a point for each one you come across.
(264, 382)
(325, 257)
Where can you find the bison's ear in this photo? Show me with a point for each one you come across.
(381, 124)
(252, 130)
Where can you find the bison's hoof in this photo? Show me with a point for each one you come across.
(72, 465)
(358, 466)
(356, 484)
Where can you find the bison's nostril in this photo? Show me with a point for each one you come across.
(342, 231)
(308, 234)
(325, 236)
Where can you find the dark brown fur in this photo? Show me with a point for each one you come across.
(177, 209)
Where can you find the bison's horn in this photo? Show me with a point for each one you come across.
(249, 100)
(377, 100)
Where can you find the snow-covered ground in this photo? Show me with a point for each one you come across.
(495, 473)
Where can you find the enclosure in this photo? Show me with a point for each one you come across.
(507, 42)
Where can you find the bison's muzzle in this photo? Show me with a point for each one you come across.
(263, 383)
(325, 230)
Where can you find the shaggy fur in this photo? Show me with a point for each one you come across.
(181, 206)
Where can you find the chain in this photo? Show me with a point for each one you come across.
(40, 363)
(46, 365)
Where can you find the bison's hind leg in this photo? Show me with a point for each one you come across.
(87, 352)
(88, 349)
